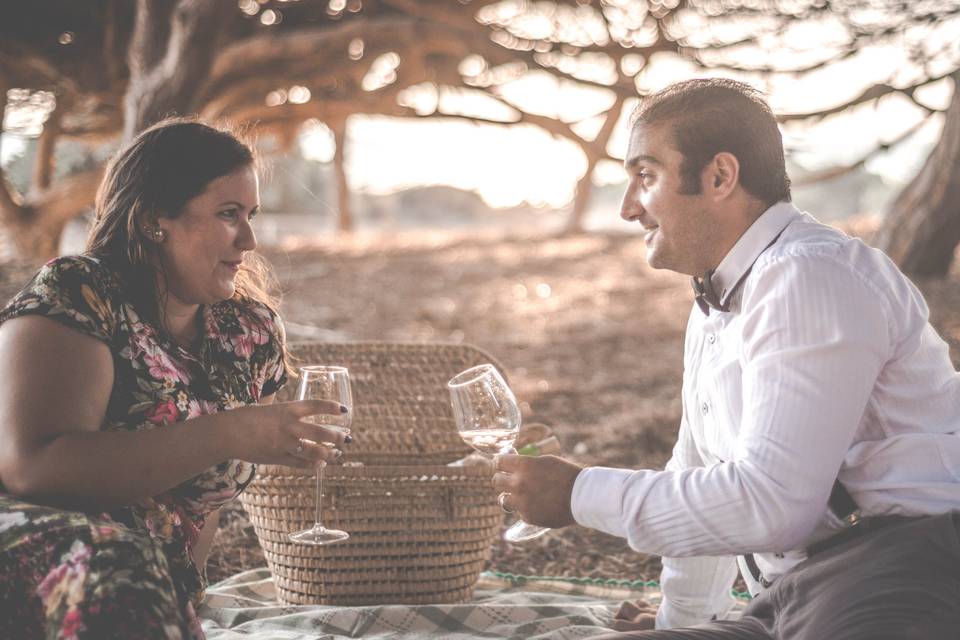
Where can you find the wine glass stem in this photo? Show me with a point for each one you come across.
(319, 476)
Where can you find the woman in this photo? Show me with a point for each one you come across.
(137, 388)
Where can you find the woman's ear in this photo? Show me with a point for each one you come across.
(151, 229)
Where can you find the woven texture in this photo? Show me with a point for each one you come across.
(420, 531)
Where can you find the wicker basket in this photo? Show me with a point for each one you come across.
(420, 531)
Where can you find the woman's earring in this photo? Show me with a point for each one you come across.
(159, 234)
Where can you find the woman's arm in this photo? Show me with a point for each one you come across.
(56, 383)
(201, 550)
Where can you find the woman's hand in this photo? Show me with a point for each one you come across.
(284, 433)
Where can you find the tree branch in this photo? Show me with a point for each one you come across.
(842, 170)
(163, 84)
(874, 92)
(10, 207)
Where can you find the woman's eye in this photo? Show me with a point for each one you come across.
(229, 214)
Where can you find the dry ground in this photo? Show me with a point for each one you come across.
(590, 336)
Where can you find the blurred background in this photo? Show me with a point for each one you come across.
(450, 170)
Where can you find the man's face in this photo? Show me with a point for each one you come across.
(678, 227)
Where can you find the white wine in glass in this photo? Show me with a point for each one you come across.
(488, 419)
(324, 383)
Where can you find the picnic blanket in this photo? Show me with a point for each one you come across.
(245, 607)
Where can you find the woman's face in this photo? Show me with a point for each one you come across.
(206, 243)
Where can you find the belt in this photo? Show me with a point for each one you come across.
(862, 527)
(843, 507)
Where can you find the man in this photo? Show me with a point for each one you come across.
(815, 392)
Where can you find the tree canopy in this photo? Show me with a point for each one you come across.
(106, 68)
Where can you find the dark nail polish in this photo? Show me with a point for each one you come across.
(347, 439)
(343, 409)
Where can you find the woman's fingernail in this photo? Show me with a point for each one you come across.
(343, 409)
(347, 439)
(337, 453)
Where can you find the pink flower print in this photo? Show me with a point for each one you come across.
(163, 413)
(193, 622)
(242, 345)
(161, 519)
(63, 585)
(163, 368)
(72, 624)
(196, 408)
(210, 325)
(253, 334)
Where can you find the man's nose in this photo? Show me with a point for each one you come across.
(630, 205)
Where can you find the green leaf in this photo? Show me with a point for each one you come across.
(529, 450)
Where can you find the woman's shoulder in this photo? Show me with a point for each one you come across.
(75, 290)
(250, 317)
(78, 270)
(241, 306)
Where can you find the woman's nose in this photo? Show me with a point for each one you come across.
(246, 239)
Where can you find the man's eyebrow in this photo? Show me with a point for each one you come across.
(641, 159)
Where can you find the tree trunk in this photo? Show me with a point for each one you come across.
(596, 150)
(36, 225)
(44, 162)
(344, 215)
(922, 228)
(582, 196)
(171, 52)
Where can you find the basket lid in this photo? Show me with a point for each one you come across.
(401, 406)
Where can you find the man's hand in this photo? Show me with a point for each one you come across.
(539, 488)
(635, 616)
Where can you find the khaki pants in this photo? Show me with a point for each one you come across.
(901, 582)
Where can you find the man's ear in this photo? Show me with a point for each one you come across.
(721, 175)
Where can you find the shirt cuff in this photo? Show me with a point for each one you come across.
(597, 499)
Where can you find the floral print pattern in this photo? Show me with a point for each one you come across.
(67, 569)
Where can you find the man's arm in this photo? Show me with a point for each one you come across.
(695, 590)
(549, 492)
(815, 338)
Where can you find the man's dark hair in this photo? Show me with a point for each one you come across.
(708, 116)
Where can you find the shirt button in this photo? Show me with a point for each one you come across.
(705, 408)
(778, 556)
(712, 338)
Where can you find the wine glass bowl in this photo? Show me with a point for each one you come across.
(488, 419)
(324, 382)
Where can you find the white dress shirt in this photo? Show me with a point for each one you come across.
(824, 367)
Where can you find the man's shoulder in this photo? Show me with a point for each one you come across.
(814, 245)
(810, 254)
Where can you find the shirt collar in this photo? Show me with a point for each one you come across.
(751, 244)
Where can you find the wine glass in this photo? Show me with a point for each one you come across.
(488, 419)
(324, 383)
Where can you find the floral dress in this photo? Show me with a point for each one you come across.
(129, 572)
